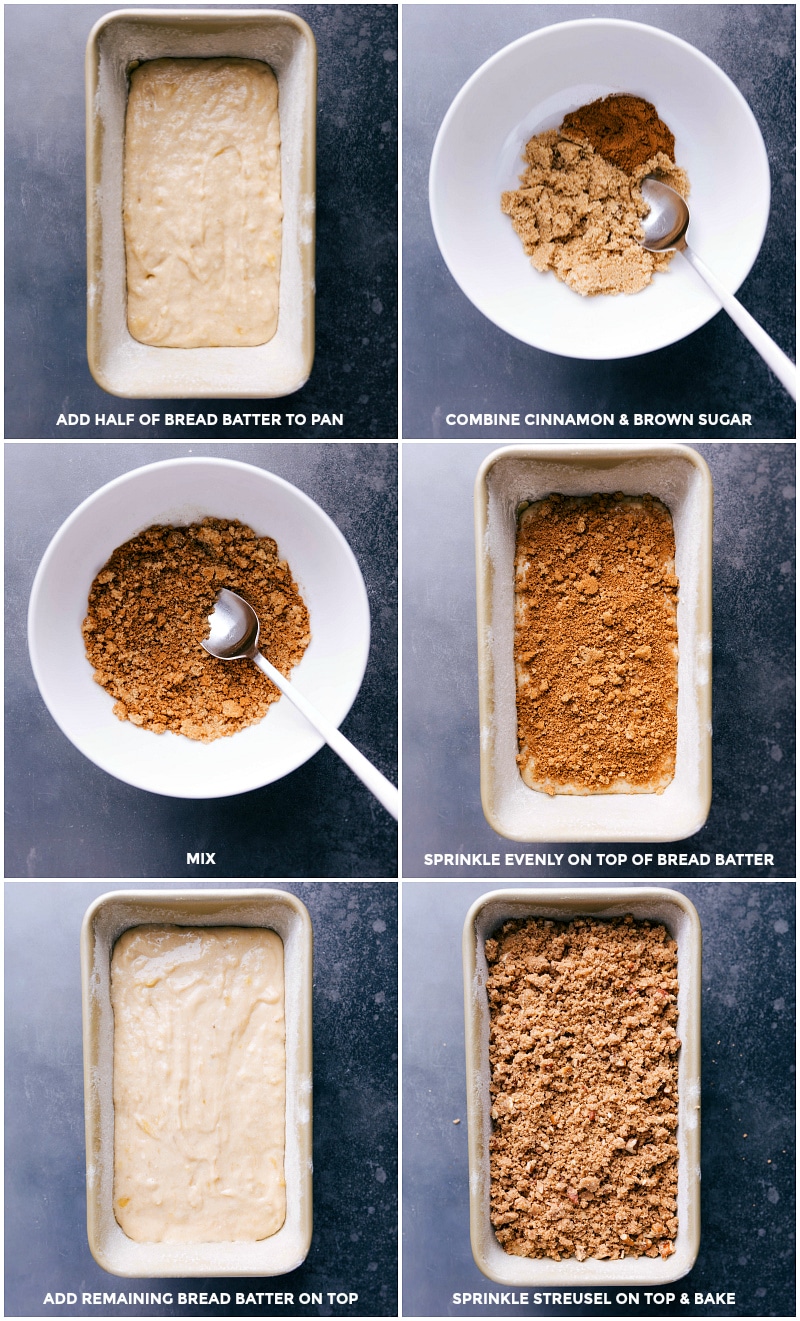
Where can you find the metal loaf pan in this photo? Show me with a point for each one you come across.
(117, 361)
(680, 918)
(103, 923)
(680, 478)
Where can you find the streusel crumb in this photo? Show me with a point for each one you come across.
(584, 1086)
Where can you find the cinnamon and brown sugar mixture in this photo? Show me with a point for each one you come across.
(595, 647)
(148, 614)
(584, 1086)
(579, 205)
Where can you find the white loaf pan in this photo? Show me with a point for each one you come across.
(118, 362)
(680, 478)
(104, 921)
(680, 918)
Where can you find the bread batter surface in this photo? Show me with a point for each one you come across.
(202, 203)
(199, 1083)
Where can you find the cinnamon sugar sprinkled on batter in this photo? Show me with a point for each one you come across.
(595, 645)
(584, 1077)
(148, 613)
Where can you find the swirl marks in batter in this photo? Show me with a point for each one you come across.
(199, 1083)
(202, 203)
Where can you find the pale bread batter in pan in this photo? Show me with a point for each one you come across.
(202, 203)
(199, 1083)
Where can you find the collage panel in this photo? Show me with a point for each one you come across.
(552, 1120)
(194, 1133)
(535, 137)
(130, 751)
(173, 355)
(517, 749)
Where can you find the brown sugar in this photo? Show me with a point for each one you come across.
(148, 613)
(579, 206)
(584, 1087)
(595, 647)
(625, 130)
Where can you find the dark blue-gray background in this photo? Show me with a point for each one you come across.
(747, 1192)
(355, 367)
(354, 1245)
(752, 806)
(66, 817)
(454, 360)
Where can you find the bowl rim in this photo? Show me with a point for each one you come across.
(35, 606)
(588, 23)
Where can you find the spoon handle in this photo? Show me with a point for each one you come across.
(369, 775)
(774, 357)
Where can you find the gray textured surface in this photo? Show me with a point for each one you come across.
(355, 368)
(747, 1191)
(752, 808)
(456, 360)
(65, 817)
(354, 1246)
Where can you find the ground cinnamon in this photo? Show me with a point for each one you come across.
(623, 129)
(148, 613)
(584, 1085)
(595, 645)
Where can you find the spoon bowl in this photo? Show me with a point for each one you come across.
(234, 628)
(668, 218)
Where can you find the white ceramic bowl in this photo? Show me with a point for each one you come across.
(182, 491)
(528, 87)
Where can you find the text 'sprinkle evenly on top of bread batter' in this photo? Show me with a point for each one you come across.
(596, 644)
(202, 203)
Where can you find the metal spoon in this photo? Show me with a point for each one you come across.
(234, 636)
(665, 227)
